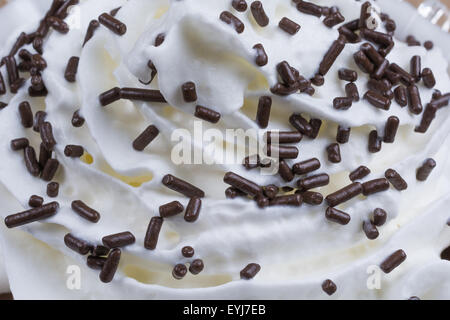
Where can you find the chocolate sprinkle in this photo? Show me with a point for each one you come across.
(334, 153)
(345, 194)
(112, 24)
(337, 216)
(152, 235)
(85, 211)
(31, 162)
(242, 184)
(343, 134)
(312, 198)
(71, 69)
(50, 168)
(396, 179)
(331, 56)
(312, 182)
(375, 186)
(239, 5)
(110, 266)
(250, 271)
(189, 92)
(187, 252)
(170, 209)
(261, 55)
(425, 170)
(207, 114)
(263, 113)
(232, 20)
(77, 244)
(53, 189)
(182, 186)
(329, 287)
(26, 115)
(359, 173)
(393, 261)
(351, 91)
(259, 14)
(19, 144)
(118, 240)
(379, 217)
(93, 25)
(414, 100)
(35, 214)
(428, 78)
(370, 230)
(193, 209)
(374, 142)
(196, 266)
(179, 271)
(306, 166)
(390, 130)
(401, 96)
(73, 151)
(289, 26)
(35, 201)
(145, 138)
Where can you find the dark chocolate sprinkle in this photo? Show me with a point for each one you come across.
(250, 271)
(110, 266)
(259, 14)
(425, 170)
(145, 138)
(50, 168)
(179, 271)
(375, 186)
(379, 217)
(77, 244)
(337, 216)
(35, 214)
(85, 211)
(334, 153)
(232, 20)
(187, 252)
(196, 266)
(359, 173)
(393, 261)
(152, 235)
(35, 201)
(207, 114)
(73, 151)
(19, 144)
(31, 162)
(396, 179)
(53, 189)
(289, 26)
(345, 194)
(315, 181)
(118, 240)
(112, 24)
(329, 287)
(239, 5)
(71, 69)
(261, 55)
(370, 230)
(193, 209)
(242, 184)
(182, 186)
(170, 209)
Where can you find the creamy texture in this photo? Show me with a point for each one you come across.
(297, 248)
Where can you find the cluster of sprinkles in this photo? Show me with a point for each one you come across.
(370, 59)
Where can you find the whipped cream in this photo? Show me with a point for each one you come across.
(297, 248)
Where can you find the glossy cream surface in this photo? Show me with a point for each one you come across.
(297, 248)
